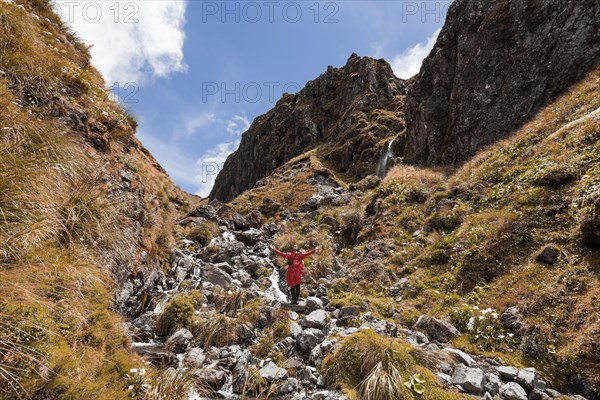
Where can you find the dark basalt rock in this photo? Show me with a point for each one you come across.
(334, 109)
(495, 64)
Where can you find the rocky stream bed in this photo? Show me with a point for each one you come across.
(228, 263)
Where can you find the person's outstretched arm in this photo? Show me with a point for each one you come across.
(308, 253)
(281, 253)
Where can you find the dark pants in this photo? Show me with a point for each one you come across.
(295, 291)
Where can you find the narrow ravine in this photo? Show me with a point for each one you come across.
(235, 262)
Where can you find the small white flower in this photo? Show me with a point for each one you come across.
(511, 335)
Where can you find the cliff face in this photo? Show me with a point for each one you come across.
(335, 110)
(494, 65)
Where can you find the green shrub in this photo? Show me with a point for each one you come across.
(178, 313)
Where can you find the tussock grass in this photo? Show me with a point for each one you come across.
(215, 330)
(377, 368)
(258, 387)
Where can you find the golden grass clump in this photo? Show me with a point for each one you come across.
(375, 367)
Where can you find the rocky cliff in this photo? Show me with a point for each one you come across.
(349, 110)
(494, 65)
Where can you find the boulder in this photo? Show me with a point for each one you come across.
(511, 319)
(179, 341)
(204, 211)
(513, 391)
(194, 357)
(471, 380)
(286, 346)
(548, 255)
(508, 373)
(215, 275)
(349, 311)
(493, 383)
(527, 378)
(537, 394)
(310, 338)
(461, 356)
(441, 331)
(313, 303)
(295, 329)
(316, 319)
(239, 222)
(272, 372)
(251, 236)
(210, 377)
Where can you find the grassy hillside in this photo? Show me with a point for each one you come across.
(83, 206)
(469, 239)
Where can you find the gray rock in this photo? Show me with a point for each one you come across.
(492, 384)
(471, 380)
(508, 373)
(179, 341)
(445, 378)
(313, 303)
(349, 311)
(204, 211)
(295, 329)
(213, 378)
(251, 236)
(239, 221)
(310, 338)
(215, 275)
(461, 356)
(442, 331)
(316, 319)
(548, 255)
(537, 394)
(321, 383)
(194, 357)
(527, 378)
(414, 337)
(511, 319)
(272, 372)
(286, 346)
(553, 393)
(540, 385)
(291, 385)
(512, 391)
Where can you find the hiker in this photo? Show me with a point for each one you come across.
(295, 270)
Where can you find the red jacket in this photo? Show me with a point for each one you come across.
(295, 272)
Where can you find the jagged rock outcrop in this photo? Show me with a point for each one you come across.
(494, 65)
(351, 109)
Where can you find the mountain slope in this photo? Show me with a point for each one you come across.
(515, 230)
(494, 65)
(86, 212)
(352, 110)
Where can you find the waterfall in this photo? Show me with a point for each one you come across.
(384, 159)
(274, 292)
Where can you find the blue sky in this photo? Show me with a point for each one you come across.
(196, 73)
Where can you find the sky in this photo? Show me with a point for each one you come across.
(195, 73)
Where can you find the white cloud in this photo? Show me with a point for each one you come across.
(199, 121)
(209, 165)
(408, 63)
(238, 125)
(132, 41)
